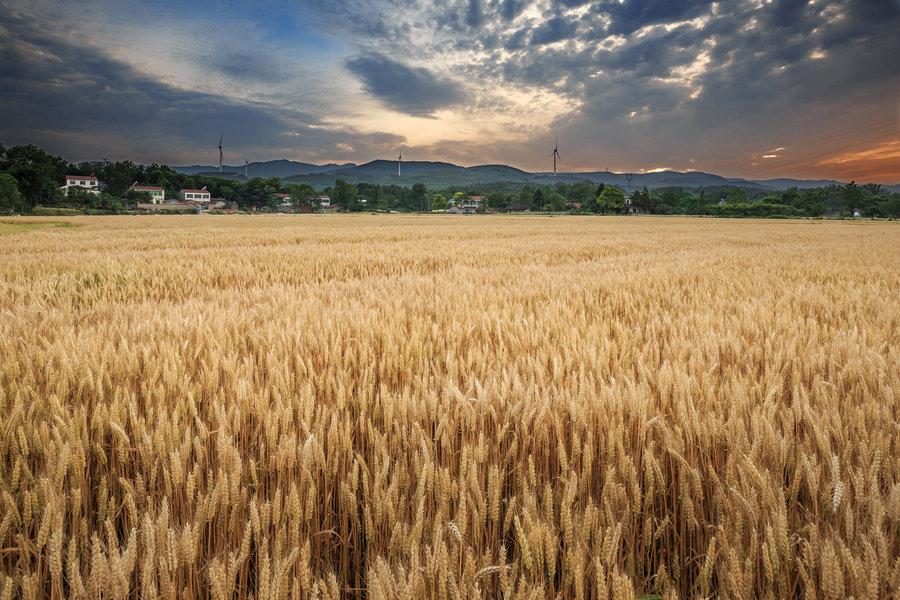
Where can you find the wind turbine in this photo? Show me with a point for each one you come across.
(555, 155)
(399, 160)
(245, 166)
(221, 156)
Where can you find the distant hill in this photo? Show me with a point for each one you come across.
(784, 183)
(437, 174)
(270, 168)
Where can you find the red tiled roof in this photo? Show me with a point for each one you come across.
(147, 188)
(195, 191)
(81, 177)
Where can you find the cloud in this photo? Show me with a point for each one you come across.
(244, 66)
(84, 104)
(628, 17)
(553, 30)
(626, 85)
(414, 91)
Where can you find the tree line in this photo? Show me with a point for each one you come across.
(31, 177)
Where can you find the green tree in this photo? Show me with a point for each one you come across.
(495, 200)
(737, 196)
(257, 193)
(537, 200)
(344, 195)
(890, 207)
(554, 202)
(117, 176)
(612, 200)
(813, 202)
(419, 197)
(438, 202)
(135, 197)
(10, 196)
(525, 195)
(301, 194)
(852, 198)
(38, 174)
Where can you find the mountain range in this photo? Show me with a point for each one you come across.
(448, 175)
(270, 168)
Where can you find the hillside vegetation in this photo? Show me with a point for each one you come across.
(438, 407)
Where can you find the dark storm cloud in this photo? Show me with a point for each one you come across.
(413, 91)
(510, 9)
(78, 100)
(474, 13)
(553, 30)
(628, 17)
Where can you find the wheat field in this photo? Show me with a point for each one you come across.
(449, 408)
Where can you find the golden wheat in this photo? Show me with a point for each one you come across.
(414, 407)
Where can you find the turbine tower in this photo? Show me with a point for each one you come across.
(399, 160)
(245, 166)
(221, 156)
(555, 155)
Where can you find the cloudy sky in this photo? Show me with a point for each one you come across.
(755, 88)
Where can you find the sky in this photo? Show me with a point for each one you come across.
(746, 88)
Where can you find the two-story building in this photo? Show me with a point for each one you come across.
(87, 183)
(157, 194)
(324, 200)
(188, 195)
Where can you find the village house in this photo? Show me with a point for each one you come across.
(201, 195)
(87, 183)
(324, 200)
(283, 199)
(157, 194)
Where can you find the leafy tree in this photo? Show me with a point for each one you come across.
(737, 196)
(790, 197)
(813, 202)
(890, 207)
(495, 200)
(641, 200)
(256, 192)
(38, 174)
(344, 195)
(612, 200)
(135, 197)
(554, 202)
(438, 202)
(117, 176)
(537, 200)
(419, 197)
(590, 205)
(852, 198)
(301, 194)
(525, 195)
(10, 196)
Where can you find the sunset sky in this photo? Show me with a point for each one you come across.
(759, 89)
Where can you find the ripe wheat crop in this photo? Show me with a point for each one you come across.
(449, 407)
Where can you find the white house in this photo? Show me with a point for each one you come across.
(157, 194)
(87, 183)
(194, 195)
(324, 200)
